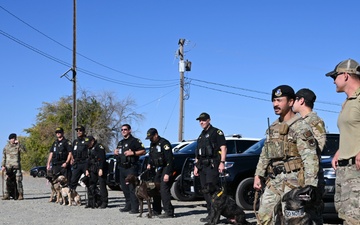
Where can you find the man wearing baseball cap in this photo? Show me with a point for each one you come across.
(346, 161)
(60, 155)
(210, 157)
(283, 164)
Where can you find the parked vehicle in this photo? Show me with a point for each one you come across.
(240, 170)
(234, 143)
(38, 171)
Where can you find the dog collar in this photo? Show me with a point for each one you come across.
(294, 213)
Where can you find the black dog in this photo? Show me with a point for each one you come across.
(223, 205)
(11, 183)
(295, 210)
(144, 190)
(93, 191)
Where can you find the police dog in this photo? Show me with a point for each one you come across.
(294, 209)
(55, 187)
(11, 183)
(223, 205)
(144, 191)
(66, 193)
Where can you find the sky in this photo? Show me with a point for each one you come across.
(239, 50)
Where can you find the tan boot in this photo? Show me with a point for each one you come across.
(21, 197)
(5, 197)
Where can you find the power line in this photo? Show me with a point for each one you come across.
(62, 45)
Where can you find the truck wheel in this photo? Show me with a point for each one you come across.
(177, 194)
(245, 194)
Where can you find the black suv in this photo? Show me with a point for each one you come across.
(240, 170)
(234, 143)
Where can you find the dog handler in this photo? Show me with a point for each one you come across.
(289, 155)
(346, 160)
(161, 158)
(210, 156)
(11, 161)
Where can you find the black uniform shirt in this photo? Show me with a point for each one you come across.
(60, 150)
(132, 143)
(215, 136)
(161, 152)
(97, 155)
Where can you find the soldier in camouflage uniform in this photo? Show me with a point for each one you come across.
(304, 104)
(346, 161)
(11, 160)
(288, 158)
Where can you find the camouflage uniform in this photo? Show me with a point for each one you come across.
(291, 142)
(318, 128)
(11, 160)
(347, 190)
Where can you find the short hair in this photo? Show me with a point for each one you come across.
(126, 125)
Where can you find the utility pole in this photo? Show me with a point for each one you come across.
(183, 66)
(181, 70)
(74, 109)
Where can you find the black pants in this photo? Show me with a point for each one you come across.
(131, 201)
(94, 180)
(78, 169)
(209, 174)
(57, 170)
(165, 195)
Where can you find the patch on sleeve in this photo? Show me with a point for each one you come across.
(69, 143)
(166, 147)
(100, 146)
(220, 132)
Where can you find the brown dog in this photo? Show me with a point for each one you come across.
(144, 190)
(55, 188)
(65, 192)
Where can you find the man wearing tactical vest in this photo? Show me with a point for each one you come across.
(288, 158)
(60, 155)
(96, 170)
(210, 156)
(304, 104)
(161, 159)
(79, 157)
(127, 155)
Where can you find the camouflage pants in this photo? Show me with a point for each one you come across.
(19, 184)
(347, 194)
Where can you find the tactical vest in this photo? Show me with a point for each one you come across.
(80, 151)
(94, 159)
(205, 147)
(123, 147)
(278, 146)
(60, 152)
(157, 154)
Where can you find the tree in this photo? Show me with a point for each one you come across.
(102, 115)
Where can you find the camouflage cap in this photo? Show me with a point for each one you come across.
(346, 66)
(283, 90)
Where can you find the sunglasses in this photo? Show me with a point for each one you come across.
(335, 76)
(125, 129)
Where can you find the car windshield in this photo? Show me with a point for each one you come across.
(256, 148)
(188, 149)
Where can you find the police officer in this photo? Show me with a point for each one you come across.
(288, 157)
(161, 158)
(210, 156)
(80, 156)
(60, 155)
(96, 170)
(127, 155)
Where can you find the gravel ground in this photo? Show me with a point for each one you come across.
(35, 209)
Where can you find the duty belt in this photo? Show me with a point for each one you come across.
(345, 162)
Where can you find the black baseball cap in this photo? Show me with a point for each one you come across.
(283, 90)
(307, 94)
(12, 135)
(59, 130)
(150, 133)
(203, 116)
(82, 128)
(88, 139)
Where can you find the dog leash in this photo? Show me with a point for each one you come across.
(254, 206)
(2, 178)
